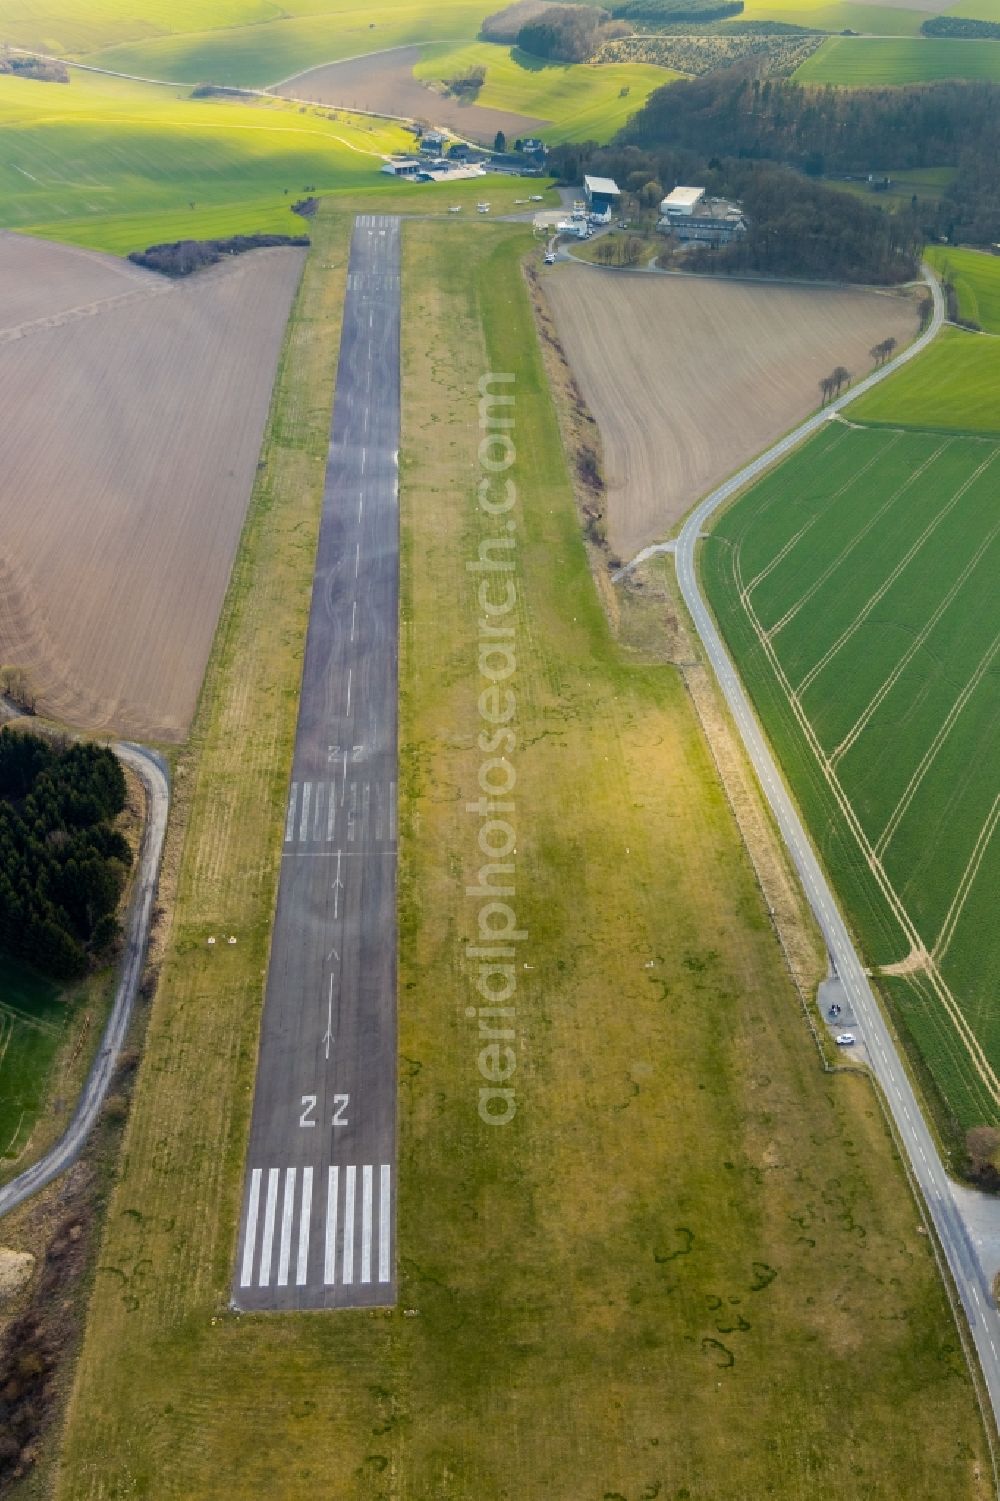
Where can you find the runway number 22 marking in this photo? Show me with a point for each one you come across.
(341, 1101)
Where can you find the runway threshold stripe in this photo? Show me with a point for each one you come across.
(317, 832)
(366, 1223)
(305, 1221)
(250, 1234)
(330, 1257)
(384, 1223)
(293, 798)
(304, 825)
(285, 1244)
(331, 813)
(269, 1207)
(347, 1268)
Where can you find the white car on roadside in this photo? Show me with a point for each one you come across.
(846, 1040)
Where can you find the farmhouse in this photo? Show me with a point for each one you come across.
(602, 194)
(689, 215)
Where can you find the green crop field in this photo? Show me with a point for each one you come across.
(585, 102)
(860, 62)
(856, 586)
(266, 54)
(838, 15)
(954, 386)
(975, 276)
(94, 151)
(117, 166)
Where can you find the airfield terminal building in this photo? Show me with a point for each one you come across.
(688, 214)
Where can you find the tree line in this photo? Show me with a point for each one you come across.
(182, 257)
(63, 865)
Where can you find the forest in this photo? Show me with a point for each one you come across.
(835, 132)
(771, 143)
(63, 865)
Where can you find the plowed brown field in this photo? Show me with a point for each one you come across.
(133, 411)
(384, 83)
(690, 377)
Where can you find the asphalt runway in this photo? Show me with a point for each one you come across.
(317, 1226)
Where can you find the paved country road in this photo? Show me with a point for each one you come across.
(152, 771)
(318, 1217)
(918, 1145)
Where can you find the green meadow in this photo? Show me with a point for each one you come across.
(258, 55)
(117, 166)
(33, 1023)
(975, 276)
(583, 100)
(953, 386)
(859, 62)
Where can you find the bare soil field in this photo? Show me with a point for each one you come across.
(133, 412)
(384, 83)
(41, 281)
(689, 377)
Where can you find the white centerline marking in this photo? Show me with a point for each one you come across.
(264, 1277)
(285, 1245)
(305, 1215)
(250, 1234)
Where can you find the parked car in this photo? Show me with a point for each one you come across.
(846, 1040)
(550, 257)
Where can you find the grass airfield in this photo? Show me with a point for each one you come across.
(692, 1255)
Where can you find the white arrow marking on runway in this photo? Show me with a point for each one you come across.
(328, 1036)
(338, 886)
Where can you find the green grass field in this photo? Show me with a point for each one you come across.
(91, 151)
(668, 1268)
(117, 166)
(953, 386)
(837, 15)
(927, 184)
(856, 588)
(975, 276)
(584, 102)
(860, 62)
(257, 55)
(33, 1025)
